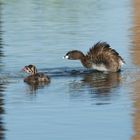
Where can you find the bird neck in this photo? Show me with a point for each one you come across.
(86, 62)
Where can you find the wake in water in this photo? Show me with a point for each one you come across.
(125, 74)
(12, 77)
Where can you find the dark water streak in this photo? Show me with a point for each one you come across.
(2, 85)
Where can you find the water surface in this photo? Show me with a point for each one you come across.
(78, 103)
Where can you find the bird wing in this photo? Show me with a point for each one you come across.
(102, 53)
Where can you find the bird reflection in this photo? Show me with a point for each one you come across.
(102, 83)
(98, 84)
(32, 88)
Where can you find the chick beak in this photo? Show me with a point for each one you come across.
(24, 69)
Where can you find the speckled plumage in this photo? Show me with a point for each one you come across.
(35, 77)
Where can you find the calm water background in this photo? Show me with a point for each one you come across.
(77, 104)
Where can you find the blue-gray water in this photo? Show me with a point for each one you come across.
(78, 104)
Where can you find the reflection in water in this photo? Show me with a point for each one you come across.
(32, 88)
(2, 129)
(30, 28)
(102, 82)
(136, 116)
(136, 30)
(136, 60)
(99, 85)
(1, 41)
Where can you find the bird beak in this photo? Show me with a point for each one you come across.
(24, 69)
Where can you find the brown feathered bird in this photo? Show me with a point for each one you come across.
(35, 77)
(100, 57)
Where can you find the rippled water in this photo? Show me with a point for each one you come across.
(78, 104)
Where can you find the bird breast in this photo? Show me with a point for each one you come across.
(99, 67)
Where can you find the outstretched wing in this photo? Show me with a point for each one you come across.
(102, 53)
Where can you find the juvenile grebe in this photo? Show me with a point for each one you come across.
(35, 77)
